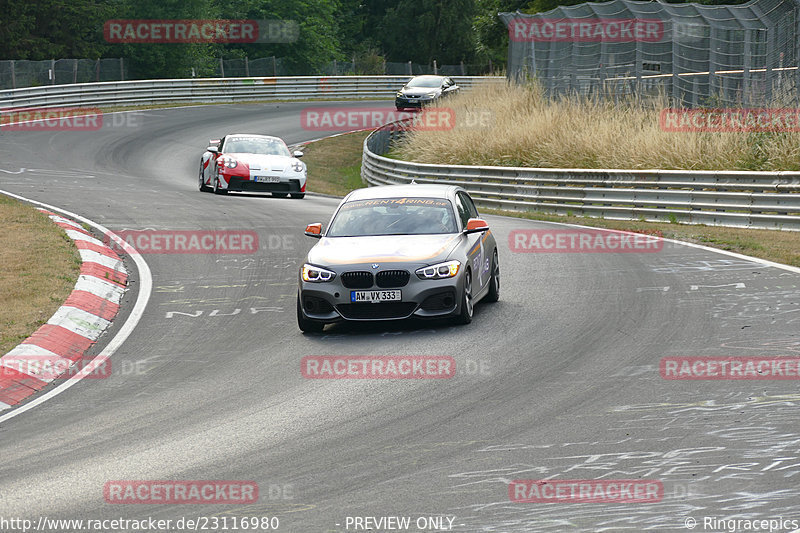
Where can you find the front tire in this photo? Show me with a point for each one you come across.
(467, 303)
(494, 282)
(305, 324)
(217, 188)
(298, 195)
(201, 182)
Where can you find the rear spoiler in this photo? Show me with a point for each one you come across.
(213, 141)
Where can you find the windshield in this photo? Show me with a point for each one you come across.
(393, 216)
(425, 82)
(255, 145)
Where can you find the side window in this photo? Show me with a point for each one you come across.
(221, 144)
(463, 212)
(473, 212)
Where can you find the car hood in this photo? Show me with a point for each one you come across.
(421, 249)
(263, 162)
(419, 91)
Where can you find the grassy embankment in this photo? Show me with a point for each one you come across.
(520, 128)
(39, 266)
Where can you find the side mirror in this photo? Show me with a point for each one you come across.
(476, 225)
(213, 149)
(297, 153)
(314, 230)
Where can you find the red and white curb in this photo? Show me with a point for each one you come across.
(74, 327)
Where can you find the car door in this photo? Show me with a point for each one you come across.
(212, 164)
(450, 86)
(482, 275)
(474, 241)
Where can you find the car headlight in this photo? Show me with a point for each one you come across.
(231, 163)
(298, 166)
(439, 271)
(399, 94)
(315, 274)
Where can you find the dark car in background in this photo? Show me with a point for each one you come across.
(422, 90)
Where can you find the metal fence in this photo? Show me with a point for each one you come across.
(769, 200)
(22, 73)
(213, 90)
(697, 55)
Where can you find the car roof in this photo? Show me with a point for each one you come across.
(253, 135)
(416, 190)
(435, 76)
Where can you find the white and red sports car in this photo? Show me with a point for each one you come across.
(252, 163)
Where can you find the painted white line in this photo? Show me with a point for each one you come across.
(62, 220)
(79, 321)
(28, 352)
(796, 270)
(34, 366)
(80, 236)
(145, 288)
(29, 349)
(100, 287)
(734, 285)
(90, 256)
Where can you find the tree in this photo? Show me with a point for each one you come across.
(53, 29)
(424, 30)
(317, 43)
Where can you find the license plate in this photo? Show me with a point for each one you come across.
(268, 179)
(375, 296)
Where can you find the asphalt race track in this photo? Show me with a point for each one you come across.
(560, 378)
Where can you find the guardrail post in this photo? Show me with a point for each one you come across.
(52, 72)
(221, 68)
(435, 70)
(121, 70)
(410, 70)
(74, 71)
(246, 67)
(13, 76)
(274, 67)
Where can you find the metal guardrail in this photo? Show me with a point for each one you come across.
(214, 90)
(769, 200)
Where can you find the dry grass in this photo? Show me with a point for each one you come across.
(334, 164)
(39, 266)
(528, 130)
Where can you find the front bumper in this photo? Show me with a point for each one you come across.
(331, 301)
(410, 101)
(237, 183)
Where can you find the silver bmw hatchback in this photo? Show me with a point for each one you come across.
(395, 252)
